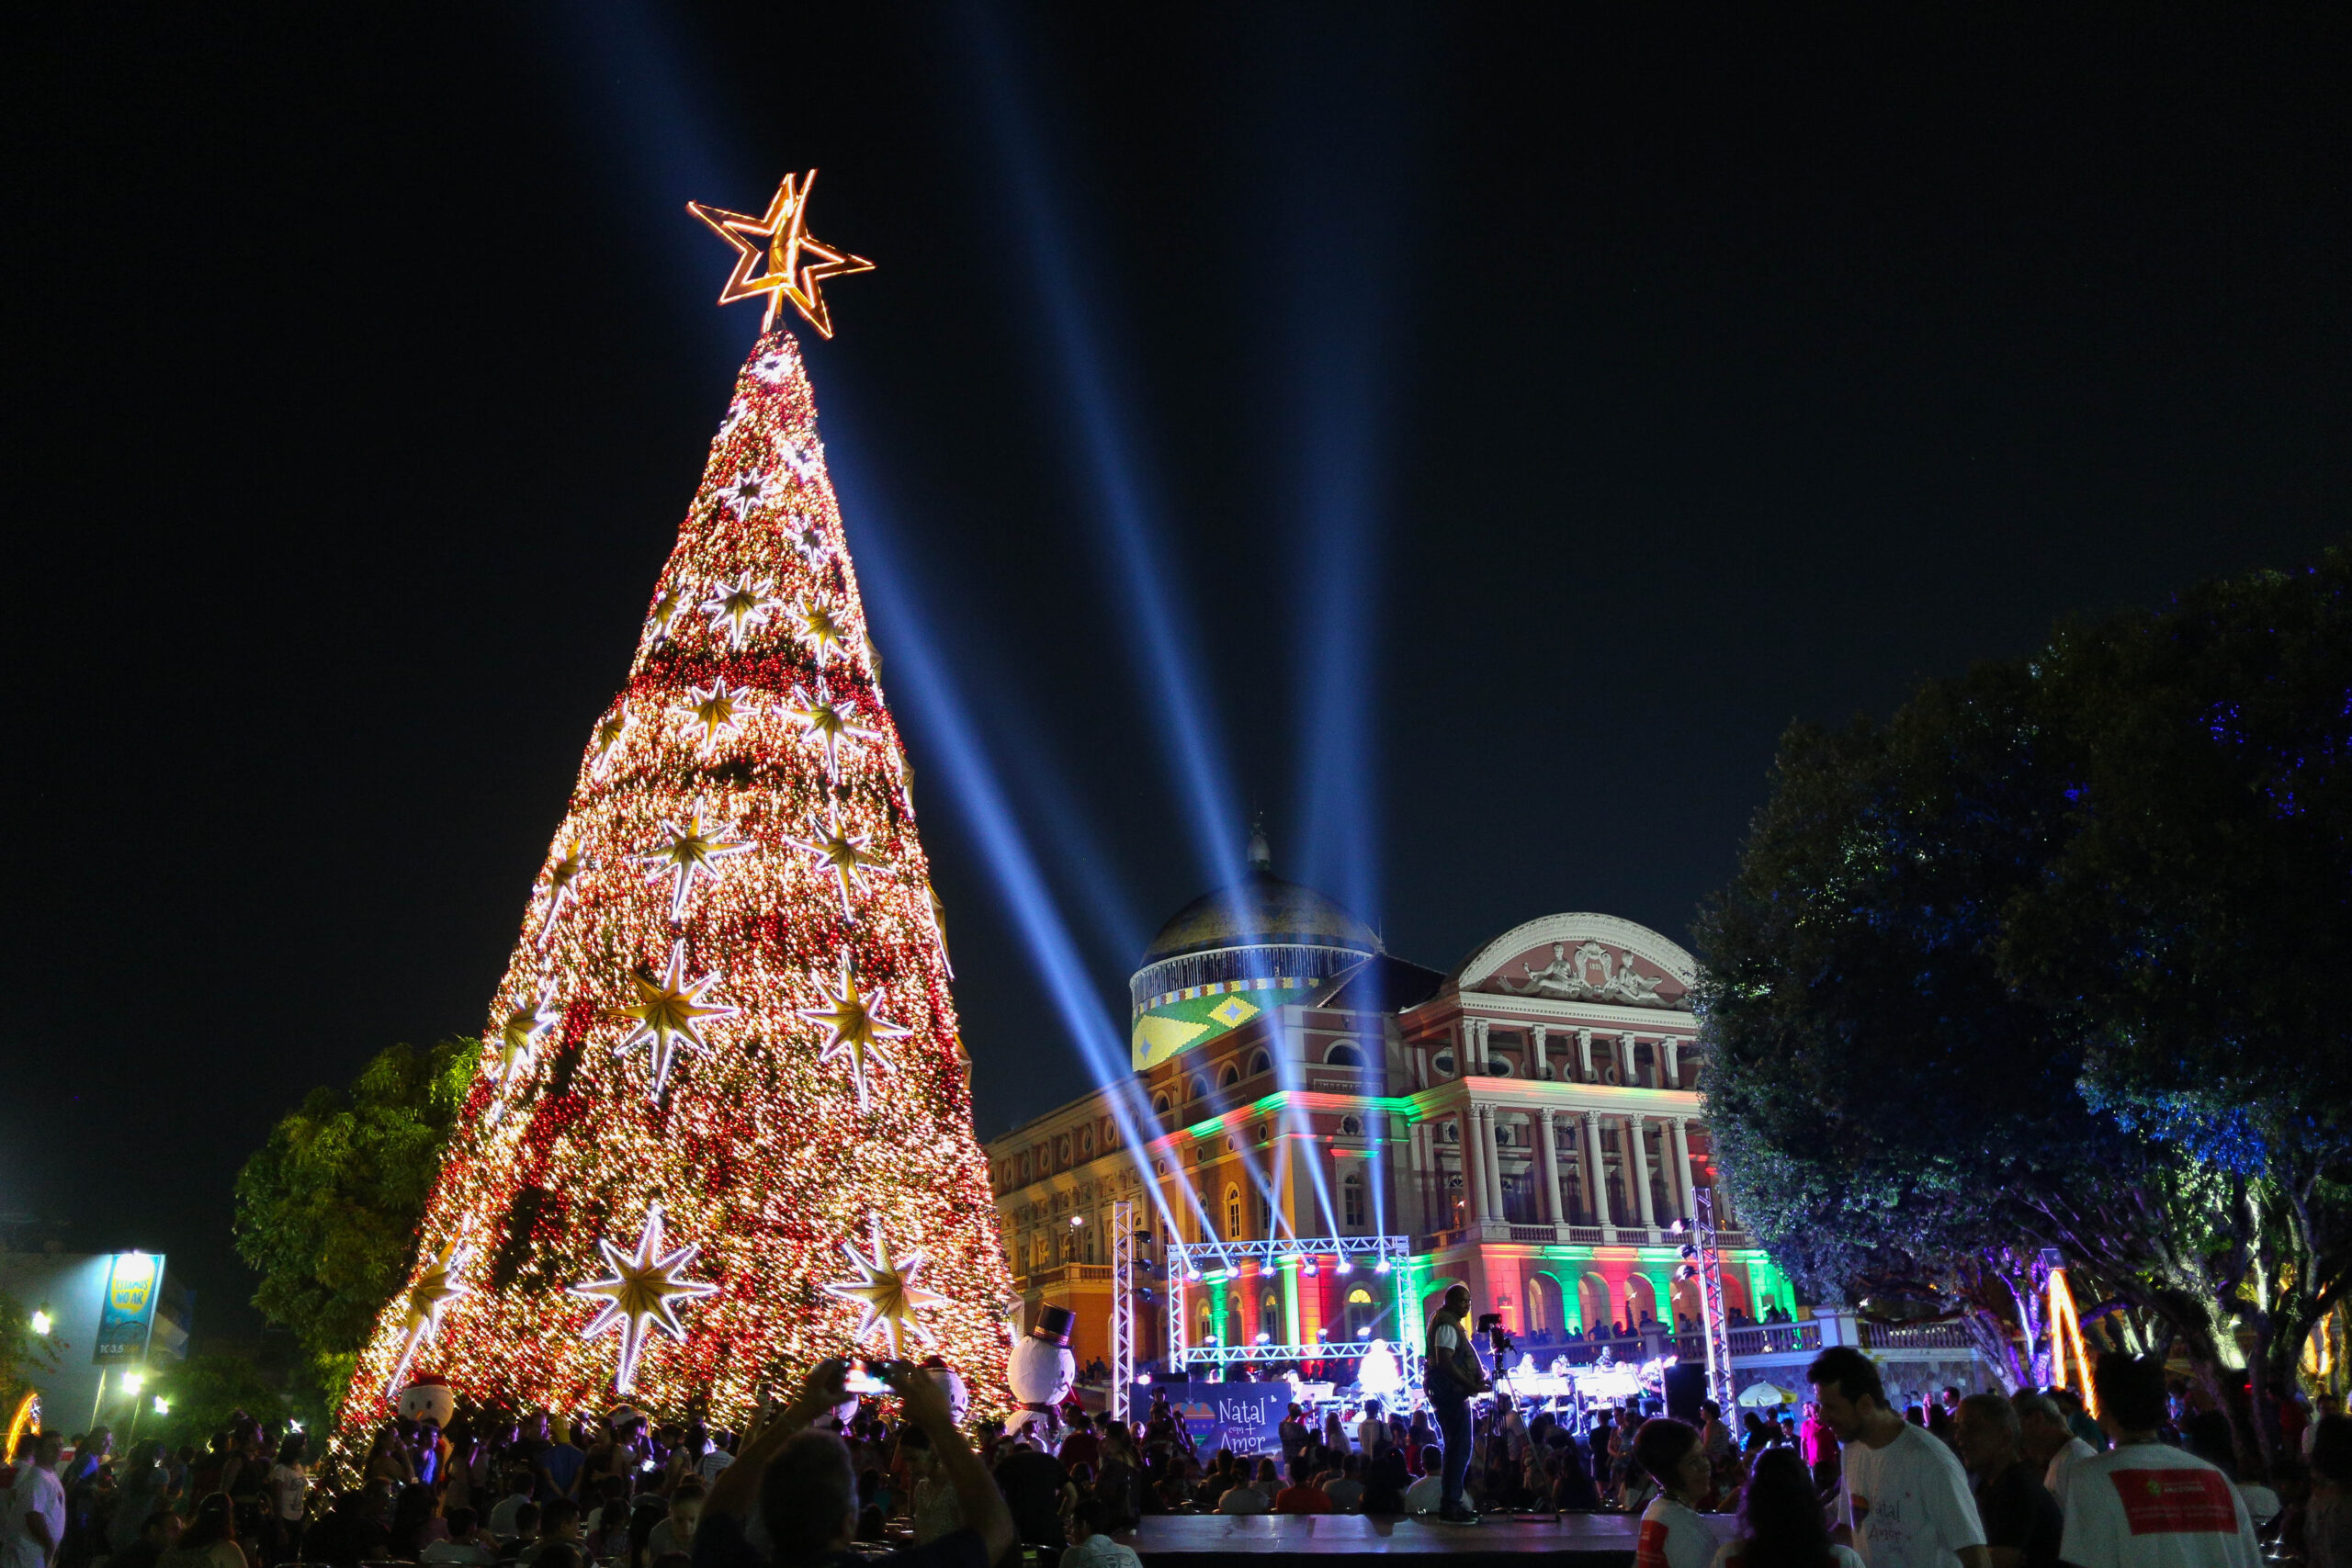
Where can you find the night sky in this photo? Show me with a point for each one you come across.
(1512, 429)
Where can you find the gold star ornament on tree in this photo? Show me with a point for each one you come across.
(885, 1292)
(797, 262)
(639, 1293)
(856, 1028)
(669, 1013)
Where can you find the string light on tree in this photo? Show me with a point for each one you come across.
(855, 1030)
(642, 1293)
(768, 1150)
(669, 1013)
(886, 1294)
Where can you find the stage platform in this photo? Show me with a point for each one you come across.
(1499, 1540)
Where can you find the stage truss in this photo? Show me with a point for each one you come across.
(1711, 1300)
(1122, 1310)
(1195, 1266)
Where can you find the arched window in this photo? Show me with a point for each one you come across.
(1343, 1056)
(1269, 1320)
(1159, 1105)
(1359, 1314)
(1233, 1213)
(1352, 1206)
(1229, 1077)
(1200, 1088)
(1260, 1062)
(1208, 1325)
(1266, 1209)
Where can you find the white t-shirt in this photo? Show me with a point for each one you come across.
(1908, 1503)
(1099, 1552)
(1245, 1500)
(712, 1463)
(1735, 1555)
(501, 1517)
(1371, 1436)
(1673, 1537)
(2062, 1463)
(1346, 1493)
(1425, 1495)
(2149, 1506)
(291, 1485)
(37, 1491)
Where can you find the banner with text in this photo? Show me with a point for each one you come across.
(1237, 1415)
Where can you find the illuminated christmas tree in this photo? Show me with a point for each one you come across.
(722, 1128)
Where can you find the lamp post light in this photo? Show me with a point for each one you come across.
(41, 1322)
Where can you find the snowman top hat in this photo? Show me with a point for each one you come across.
(1054, 1325)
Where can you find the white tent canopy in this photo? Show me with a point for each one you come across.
(1764, 1397)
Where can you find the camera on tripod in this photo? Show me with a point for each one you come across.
(1498, 1339)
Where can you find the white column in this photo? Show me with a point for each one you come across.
(1626, 1058)
(1584, 1054)
(1485, 1047)
(1638, 1171)
(1683, 1168)
(1495, 1163)
(1673, 1062)
(1547, 1149)
(1595, 1168)
(1473, 1166)
(1535, 1057)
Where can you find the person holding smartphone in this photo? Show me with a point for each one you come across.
(802, 1483)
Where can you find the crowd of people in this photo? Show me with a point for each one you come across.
(1992, 1482)
(1864, 1480)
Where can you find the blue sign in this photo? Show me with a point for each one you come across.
(127, 1314)
(1237, 1415)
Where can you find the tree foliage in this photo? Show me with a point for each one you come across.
(2051, 959)
(203, 1393)
(327, 1211)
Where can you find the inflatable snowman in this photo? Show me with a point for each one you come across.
(1042, 1370)
(428, 1398)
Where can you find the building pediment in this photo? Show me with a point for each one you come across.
(1583, 958)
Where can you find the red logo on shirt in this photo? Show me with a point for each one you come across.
(1861, 1506)
(1649, 1551)
(2177, 1502)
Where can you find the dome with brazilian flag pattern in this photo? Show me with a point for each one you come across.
(1236, 952)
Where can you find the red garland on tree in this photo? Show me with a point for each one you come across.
(722, 1128)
